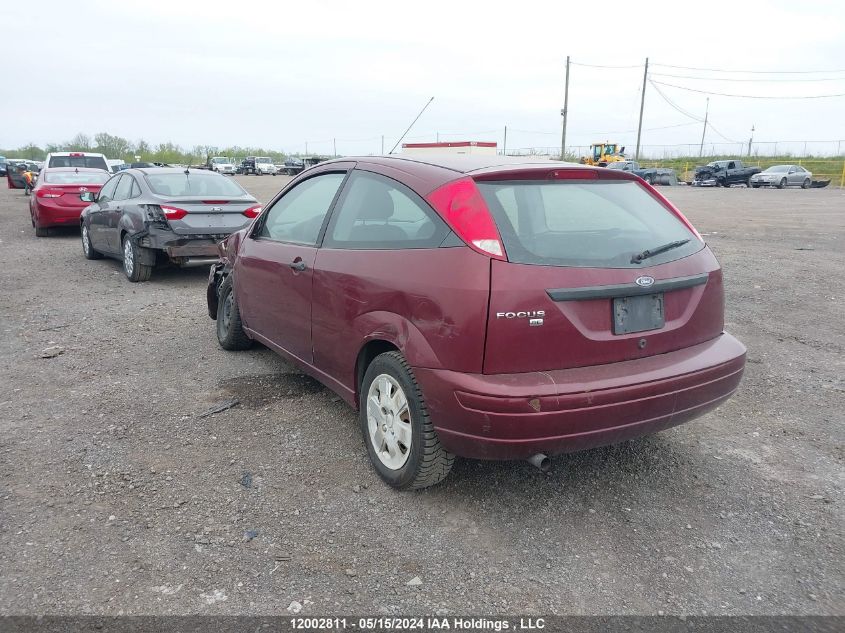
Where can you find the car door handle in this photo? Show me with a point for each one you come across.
(297, 265)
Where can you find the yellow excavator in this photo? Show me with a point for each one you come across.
(603, 153)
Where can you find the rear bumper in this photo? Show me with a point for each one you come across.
(57, 215)
(514, 416)
(181, 248)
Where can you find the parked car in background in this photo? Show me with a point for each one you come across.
(781, 176)
(293, 166)
(116, 164)
(264, 166)
(56, 201)
(724, 173)
(482, 307)
(652, 175)
(221, 164)
(150, 216)
(77, 159)
(3, 164)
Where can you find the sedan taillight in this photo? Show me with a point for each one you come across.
(173, 213)
(47, 193)
(253, 212)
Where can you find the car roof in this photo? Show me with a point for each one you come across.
(466, 164)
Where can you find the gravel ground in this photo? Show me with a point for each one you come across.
(117, 498)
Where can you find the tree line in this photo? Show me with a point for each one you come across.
(116, 147)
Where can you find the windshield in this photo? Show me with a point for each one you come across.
(778, 169)
(263, 159)
(225, 161)
(194, 184)
(96, 162)
(584, 223)
(619, 166)
(76, 178)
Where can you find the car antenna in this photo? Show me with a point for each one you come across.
(412, 125)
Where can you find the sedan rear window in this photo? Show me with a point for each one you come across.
(193, 184)
(76, 178)
(94, 162)
(584, 223)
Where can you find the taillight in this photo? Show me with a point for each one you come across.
(173, 213)
(47, 193)
(253, 212)
(460, 203)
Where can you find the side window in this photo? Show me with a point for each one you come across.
(298, 215)
(731, 165)
(107, 192)
(376, 212)
(124, 188)
(136, 190)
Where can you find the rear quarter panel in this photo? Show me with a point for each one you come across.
(430, 303)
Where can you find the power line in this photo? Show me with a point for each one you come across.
(757, 72)
(685, 113)
(725, 94)
(747, 80)
(673, 104)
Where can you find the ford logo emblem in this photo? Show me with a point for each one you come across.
(645, 281)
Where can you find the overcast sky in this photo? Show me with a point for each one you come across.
(280, 74)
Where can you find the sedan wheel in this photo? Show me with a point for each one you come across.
(782, 183)
(134, 269)
(805, 184)
(87, 249)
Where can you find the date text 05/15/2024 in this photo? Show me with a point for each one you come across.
(418, 624)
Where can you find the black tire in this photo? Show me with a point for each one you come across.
(650, 179)
(748, 182)
(806, 184)
(782, 183)
(135, 271)
(41, 231)
(230, 330)
(756, 186)
(87, 249)
(427, 463)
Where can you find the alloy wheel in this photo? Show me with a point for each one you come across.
(128, 257)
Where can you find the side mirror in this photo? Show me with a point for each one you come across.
(88, 196)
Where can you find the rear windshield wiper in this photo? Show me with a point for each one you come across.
(651, 252)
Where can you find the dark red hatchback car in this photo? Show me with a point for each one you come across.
(482, 307)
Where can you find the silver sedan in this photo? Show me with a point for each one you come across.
(781, 176)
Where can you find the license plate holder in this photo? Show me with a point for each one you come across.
(640, 313)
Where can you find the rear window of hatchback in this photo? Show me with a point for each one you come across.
(599, 224)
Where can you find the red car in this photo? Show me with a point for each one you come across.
(55, 200)
(480, 307)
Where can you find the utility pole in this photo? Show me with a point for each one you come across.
(564, 112)
(704, 131)
(642, 106)
(505, 143)
(438, 137)
(750, 139)
(334, 145)
(306, 148)
(382, 144)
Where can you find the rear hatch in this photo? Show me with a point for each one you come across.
(584, 281)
